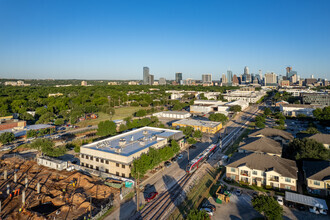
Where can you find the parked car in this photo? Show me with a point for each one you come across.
(167, 164)
(174, 159)
(280, 200)
(238, 192)
(207, 210)
(180, 156)
(151, 196)
(206, 204)
(192, 147)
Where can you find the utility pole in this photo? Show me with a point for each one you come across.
(90, 205)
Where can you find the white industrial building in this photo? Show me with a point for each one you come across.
(248, 96)
(296, 109)
(52, 163)
(172, 114)
(207, 106)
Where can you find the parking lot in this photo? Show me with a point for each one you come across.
(240, 207)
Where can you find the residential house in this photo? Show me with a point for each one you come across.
(261, 144)
(317, 177)
(264, 170)
(275, 134)
(322, 138)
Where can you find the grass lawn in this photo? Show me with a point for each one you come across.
(120, 113)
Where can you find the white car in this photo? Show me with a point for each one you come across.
(280, 200)
(207, 210)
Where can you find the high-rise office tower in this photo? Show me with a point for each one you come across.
(162, 81)
(246, 70)
(248, 78)
(151, 79)
(224, 79)
(288, 70)
(270, 79)
(178, 77)
(235, 80)
(207, 78)
(229, 76)
(145, 75)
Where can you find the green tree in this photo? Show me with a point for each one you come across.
(267, 111)
(312, 130)
(195, 214)
(7, 137)
(187, 131)
(218, 117)
(280, 122)
(306, 148)
(260, 124)
(76, 148)
(141, 113)
(26, 116)
(106, 128)
(191, 140)
(268, 207)
(197, 134)
(59, 121)
(122, 128)
(47, 147)
(31, 133)
(235, 108)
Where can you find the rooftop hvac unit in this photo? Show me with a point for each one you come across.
(145, 132)
(122, 141)
(119, 150)
(132, 138)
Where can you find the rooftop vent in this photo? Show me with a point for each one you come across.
(122, 141)
(119, 150)
(141, 142)
(132, 138)
(145, 132)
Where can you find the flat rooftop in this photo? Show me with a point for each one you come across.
(175, 112)
(193, 122)
(134, 141)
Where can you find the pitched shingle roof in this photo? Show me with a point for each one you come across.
(263, 144)
(272, 132)
(265, 162)
(322, 138)
(317, 170)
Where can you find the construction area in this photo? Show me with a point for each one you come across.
(30, 191)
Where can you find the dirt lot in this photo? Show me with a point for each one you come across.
(58, 196)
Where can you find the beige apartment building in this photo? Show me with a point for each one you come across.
(264, 170)
(316, 174)
(115, 155)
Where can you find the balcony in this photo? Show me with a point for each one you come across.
(245, 173)
(273, 179)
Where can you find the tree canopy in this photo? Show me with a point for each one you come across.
(47, 147)
(106, 128)
(235, 108)
(195, 214)
(268, 207)
(306, 148)
(218, 117)
(7, 137)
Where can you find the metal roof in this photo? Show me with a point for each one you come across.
(306, 200)
(131, 142)
(193, 122)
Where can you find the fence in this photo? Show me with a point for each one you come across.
(102, 211)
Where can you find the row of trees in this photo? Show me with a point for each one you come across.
(219, 117)
(153, 158)
(47, 147)
(39, 133)
(7, 137)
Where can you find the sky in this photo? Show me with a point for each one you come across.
(115, 39)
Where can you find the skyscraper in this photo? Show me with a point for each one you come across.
(246, 70)
(145, 75)
(151, 79)
(207, 78)
(288, 70)
(224, 79)
(270, 79)
(235, 80)
(229, 76)
(178, 77)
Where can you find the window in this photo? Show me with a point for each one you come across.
(106, 161)
(117, 173)
(82, 164)
(317, 183)
(233, 177)
(123, 174)
(81, 155)
(117, 164)
(102, 161)
(122, 166)
(288, 180)
(254, 172)
(107, 170)
(130, 175)
(232, 170)
(97, 168)
(91, 157)
(91, 166)
(288, 187)
(97, 159)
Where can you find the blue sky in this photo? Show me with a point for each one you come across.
(115, 39)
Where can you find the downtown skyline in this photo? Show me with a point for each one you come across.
(113, 40)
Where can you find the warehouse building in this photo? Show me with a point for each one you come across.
(115, 155)
(201, 125)
(172, 114)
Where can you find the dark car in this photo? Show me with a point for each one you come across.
(206, 204)
(167, 164)
(151, 196)
(174, 159)
(192, 147)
